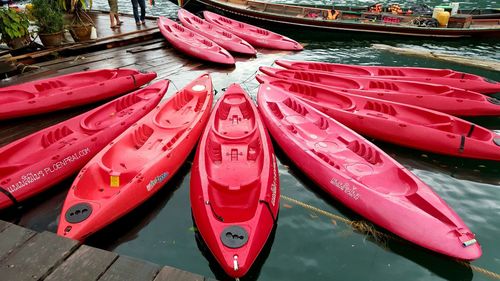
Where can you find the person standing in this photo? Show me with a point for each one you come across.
(139, 19)
(113, 14)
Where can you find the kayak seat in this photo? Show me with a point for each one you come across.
(383, 108)
(141, 135)
(109, 114)
(295, 106)
(55, 135)
(275, 110)
(390, 72)
(179, 112)
(12, 96)
(234, 119)
(171, 142)
(383, 85)
(368, 153)
(49, 85)
(325, 158)
(214, 150)
(234, 203)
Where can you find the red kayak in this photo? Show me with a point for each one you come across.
(256, 36)
(428, 75)
(235, 183)
(137, 163)
(398, 123)
(193, 44)
(32, 164)
(442, 98)
(67, 91)
(225, 39)
(363, 177)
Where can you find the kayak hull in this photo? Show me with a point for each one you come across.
(256, 36)
(363, 177)
(225, 39)
(235, 183)
(68, 91)
(137, 163)
(427, 75)
(32, 164)
(193, 44)
(441, 98)
(398, 123)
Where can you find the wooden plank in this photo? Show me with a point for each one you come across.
(168, 273)
(37, 257)
(11, 237)
(4, 225)
(130, 269)
(86, 263)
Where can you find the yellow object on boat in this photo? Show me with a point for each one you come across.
(443, 18)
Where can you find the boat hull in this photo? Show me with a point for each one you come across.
(235, 183)
(34, 163)
(398, 123)
(193, 44)
(441, 98)
(137, 163)
(447, 77)
(220, 36)
(68, 91)
(363, 177)
(235, 10)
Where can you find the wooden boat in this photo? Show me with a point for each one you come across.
(359, 22)
(361, 176)
(475, 13)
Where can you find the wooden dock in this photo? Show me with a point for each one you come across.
(28, 255)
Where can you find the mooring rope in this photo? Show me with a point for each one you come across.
(368, 228)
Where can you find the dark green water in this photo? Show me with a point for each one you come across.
(306, 245)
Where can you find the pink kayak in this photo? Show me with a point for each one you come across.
(256, 36)
(137, 163)
(397, 123)
(235, 183)
(193, 44)
(363, 177)
(442, 98)
(225, 39)
(428, 75)
(69, 90)
(34, 163)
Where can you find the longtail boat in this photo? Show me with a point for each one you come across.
(366, 22)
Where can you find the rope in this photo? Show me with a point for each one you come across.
(368, 228)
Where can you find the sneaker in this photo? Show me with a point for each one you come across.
(138, 23)
(143, 22)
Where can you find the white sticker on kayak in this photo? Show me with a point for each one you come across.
(158, 179)
(345, 187)
(30, 178)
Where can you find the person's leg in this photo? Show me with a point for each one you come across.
(111, 19)
(113, 9)
(118, 21)
(136, 12)
(142, 3)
